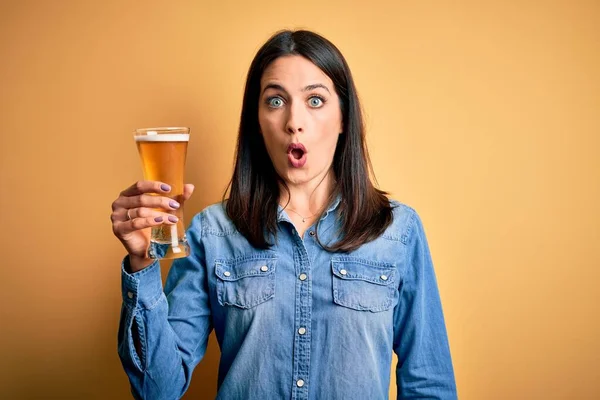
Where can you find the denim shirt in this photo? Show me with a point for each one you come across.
(294, 321)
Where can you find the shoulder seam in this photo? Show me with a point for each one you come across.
(402, 236)
(208, 230)
(409, 226)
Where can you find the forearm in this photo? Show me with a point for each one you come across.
(148, 345)
(425, 368)
(154, 364)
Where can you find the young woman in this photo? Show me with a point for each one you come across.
(309, 275)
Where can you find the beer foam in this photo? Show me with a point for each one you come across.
(176, 137)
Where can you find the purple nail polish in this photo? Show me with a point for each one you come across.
(174, 204)
(172, 218)
(165, 188)
(158, 219)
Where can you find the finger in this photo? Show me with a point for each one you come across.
(146, 200)
(119, 214)
(141, 187)
(136, 224)
(143, 212)
(188, 189)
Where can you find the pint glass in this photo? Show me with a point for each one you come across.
(163, 152)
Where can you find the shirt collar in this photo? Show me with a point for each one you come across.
(334, 204)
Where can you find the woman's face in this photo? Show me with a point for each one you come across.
(300, 119)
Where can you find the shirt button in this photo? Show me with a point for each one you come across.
(343, 271)
(311, 233)
(227, 273)
(299, 383)
(302, 331)
(302, 277)
(264, 268)
(130, 295)
(384, 277)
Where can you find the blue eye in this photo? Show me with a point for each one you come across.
(275, 102)
(315, 102)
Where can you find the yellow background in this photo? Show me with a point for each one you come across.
(484, 116)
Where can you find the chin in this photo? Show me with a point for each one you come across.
(296, 176)
(296, 179)
(299, 176)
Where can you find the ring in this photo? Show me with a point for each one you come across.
(128, 216)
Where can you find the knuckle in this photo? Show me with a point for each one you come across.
(139, 185)
(138, 223)
(116, 230)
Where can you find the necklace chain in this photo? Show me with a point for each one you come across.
(301, 216)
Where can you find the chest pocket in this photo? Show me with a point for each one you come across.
(245, 283)
(363, 285)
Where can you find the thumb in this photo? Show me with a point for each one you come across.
(188, 189)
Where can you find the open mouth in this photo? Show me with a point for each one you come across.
(296, 155)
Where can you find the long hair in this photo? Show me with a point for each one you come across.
(364, 211)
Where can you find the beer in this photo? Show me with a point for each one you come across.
(163, 152)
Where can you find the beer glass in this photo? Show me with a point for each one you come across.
(163, 152)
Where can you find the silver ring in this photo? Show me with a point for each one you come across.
(128, 216)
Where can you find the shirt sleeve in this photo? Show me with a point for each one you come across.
(424, 369)
(171, 327)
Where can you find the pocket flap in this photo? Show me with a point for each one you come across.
(364, 270)
(232, 270)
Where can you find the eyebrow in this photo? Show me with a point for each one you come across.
(315, 86)
(306, 89)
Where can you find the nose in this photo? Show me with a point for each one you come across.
(295, 119)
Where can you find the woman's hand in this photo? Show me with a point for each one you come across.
(137, 209)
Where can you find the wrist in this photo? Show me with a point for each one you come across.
(137, 263)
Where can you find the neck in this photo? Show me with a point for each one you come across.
(310, 198)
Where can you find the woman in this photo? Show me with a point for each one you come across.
(309, 275)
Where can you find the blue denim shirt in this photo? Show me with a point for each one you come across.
(294, 321)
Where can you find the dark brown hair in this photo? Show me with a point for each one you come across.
(364, 211)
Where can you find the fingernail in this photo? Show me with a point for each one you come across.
(158, 219)
(172, 218)
(174, 204)
(165, 188)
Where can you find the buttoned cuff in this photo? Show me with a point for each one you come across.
(142, 289)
